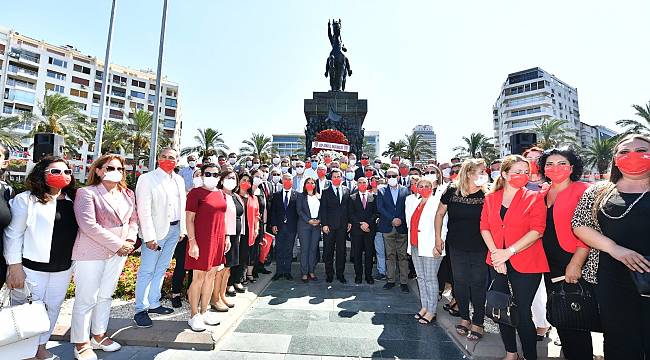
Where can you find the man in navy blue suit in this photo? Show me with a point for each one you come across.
(392, 224)
(284, 220)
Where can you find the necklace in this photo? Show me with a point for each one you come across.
(626, 211)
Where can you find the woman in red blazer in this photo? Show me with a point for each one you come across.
(512, 224)
(250, 228)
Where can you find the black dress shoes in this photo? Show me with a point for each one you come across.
(404, 288)
(389, 285)
(341, 279)
(288, 276)
(370, 280)
(357, 280)
(277, 277)
(329, 278)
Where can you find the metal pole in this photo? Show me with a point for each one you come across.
(154, 123)
(102, 100)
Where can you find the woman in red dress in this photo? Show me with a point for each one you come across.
(205, 213)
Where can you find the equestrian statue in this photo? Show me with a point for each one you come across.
(338, 65)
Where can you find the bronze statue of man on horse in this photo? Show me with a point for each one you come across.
(338, 65)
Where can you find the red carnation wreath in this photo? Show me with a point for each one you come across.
(330, 136)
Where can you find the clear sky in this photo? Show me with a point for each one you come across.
(246, 66)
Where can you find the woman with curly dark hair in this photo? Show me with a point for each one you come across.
(566, 254)
(39, 240)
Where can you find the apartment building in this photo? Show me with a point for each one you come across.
(428, 135)
(526, 99)
(30, 68)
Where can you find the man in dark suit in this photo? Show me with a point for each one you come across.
(363, 218)
(334, 219)
(322, 182)
(359, 172)
(392, 224)
(284, 221)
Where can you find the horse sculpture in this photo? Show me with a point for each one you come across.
(338, 65)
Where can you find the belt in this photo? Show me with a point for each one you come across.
(174, 223)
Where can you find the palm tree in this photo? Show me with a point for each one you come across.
(60, 115)
(140, 138)
(416, 147)
(395, 149)
(551, 133)
(599, 154)
(115, 138)
(7, 137)
(476, 145)
(638, 126)
(209, 142)
(258, 145)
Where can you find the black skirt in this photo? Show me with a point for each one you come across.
(232, 256)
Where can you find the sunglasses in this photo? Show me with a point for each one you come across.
(209, 174)
(301, 167)
(59, 171)
(391, 176)
(430, 173)
(113, 168)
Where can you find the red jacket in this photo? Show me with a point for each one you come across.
(563, 209)
(526, 212)
(252, 218)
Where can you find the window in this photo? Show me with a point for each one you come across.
(79, 93)
(118, 92)
(170, 102)
(55, 75)
(115, 114)
(526, 111)
(152, 99)
(170, 112)
(172, 93)
(56, 88)
(170, 123)
(80, 106)
(58, 62)
(137, 94)
(152, 86)
(136, 105)
(80, 81)
(99, 74)
(119, 79)
(140, 84)
(81, 69)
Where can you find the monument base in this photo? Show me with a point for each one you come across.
(339, 110)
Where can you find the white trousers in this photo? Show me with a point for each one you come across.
(50, 288)
(539, 307)
(95, 283)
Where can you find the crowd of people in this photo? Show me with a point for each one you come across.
(523, 226)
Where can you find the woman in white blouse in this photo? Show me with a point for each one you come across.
(307, 205)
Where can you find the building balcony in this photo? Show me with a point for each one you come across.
(19, 84)
(543, 91)
(544, 101)
(21, 72)
(543, 113)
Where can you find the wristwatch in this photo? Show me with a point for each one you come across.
(512, 250)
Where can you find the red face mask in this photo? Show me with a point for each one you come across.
(321, 172)
(403, 171)
(453, 177)
(222, 162)
(307, 164)
(167, 165)
(287, 184)
(328, 160)
(633, 163)
(58, 181)
(414, 189)
(364, 162)
(363, 187)
(373, 184)
(426, 192)
(557, 173)
(518, 181)
(368, 174)
(310, 187)
(534, 169)
(336, 181)
(245, 185)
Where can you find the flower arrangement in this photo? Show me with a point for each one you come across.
(330, 136)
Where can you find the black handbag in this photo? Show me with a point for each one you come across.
(575, 309)
(642, 281)
(501, 307)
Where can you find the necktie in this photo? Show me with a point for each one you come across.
(286, 200)
(363, 200)
(337, 194)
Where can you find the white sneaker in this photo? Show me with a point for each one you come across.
(196, 323)
(86, 353)
(210, 319)
(100, 345)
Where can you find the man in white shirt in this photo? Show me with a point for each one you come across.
(310, 169)
(160, 198)
(187, 173)
(299, 177)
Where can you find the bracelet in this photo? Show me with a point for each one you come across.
(512, 250)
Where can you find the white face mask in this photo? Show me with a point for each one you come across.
(229, 184)
(232, 161)
(276, 179)
(285, 169)
(192, 163)
(353, 161)
(197, 182)
(276, 161)
(257, 182)
(377, 166)
(481, 180)
(112, 176)
(256, 166)
(249, 164)
(446, 172)
(293, 163)
(349, 175)
(495, 175)
(431, 177)
(392, 182)
(211, 182)
(300, 170)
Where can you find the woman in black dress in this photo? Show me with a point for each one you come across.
(614, 217)
(5, 213)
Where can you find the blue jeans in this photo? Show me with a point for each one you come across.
(309, 237)
(381, 253)
(153, 265)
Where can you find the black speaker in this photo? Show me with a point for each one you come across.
(47, 144)
(522, 141)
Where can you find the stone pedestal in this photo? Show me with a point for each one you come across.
(338, 110)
